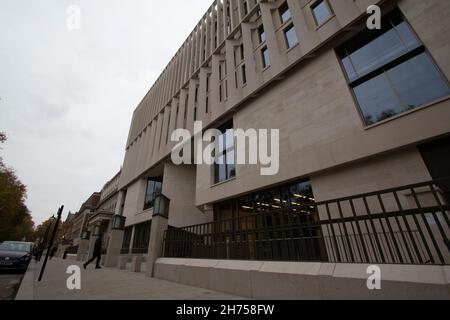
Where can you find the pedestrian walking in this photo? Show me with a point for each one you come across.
(97, 253)
(53, 251)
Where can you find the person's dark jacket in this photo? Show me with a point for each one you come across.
(98, 246)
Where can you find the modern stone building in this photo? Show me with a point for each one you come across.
(364, 120)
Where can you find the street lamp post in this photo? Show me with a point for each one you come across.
(55, 229)
(118, 222)
(97, 229)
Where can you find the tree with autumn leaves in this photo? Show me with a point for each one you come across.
(16, 223)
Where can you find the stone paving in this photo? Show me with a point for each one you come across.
(106, 284)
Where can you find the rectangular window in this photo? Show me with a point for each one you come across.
(154, 186)
(245, 7)
(290, 36)
(390, 71)
(241, 50)
(265, 57)
(226, 89)
(265, 214)
(186, 102)
(321, 11)
(126, 240)
(222, 70)
(168, 126)
(285, 13)
(141, 238)
(261, 34)
(244, 74)
(161, 129)
(224, 168)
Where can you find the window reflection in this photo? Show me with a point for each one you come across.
(225, 168)
(390, 72)
(272, 222)
(290, 36)
(285, 13)
(154, 186)
(298, 198)
(321, 11)
(417, 81)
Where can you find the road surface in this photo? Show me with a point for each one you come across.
(9, 284)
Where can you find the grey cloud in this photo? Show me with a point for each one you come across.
(68, 97)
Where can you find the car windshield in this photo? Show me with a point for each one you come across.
(13, 246)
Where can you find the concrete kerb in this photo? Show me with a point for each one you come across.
(26, 288)
(136, 263)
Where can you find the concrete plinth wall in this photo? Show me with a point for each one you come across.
(83, 248)
(296, 280)
(179, 187)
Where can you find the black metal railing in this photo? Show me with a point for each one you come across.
(140, 250)
(405, 225)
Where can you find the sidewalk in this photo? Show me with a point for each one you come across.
(106, 284)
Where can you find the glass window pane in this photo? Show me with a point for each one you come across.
(220, 172)
(150, 185)
(408, 37)
(291, 37)
(220, 148)
(158, 187)
(285, 13)
(417, 82)
(321, 12)
(349, 69)
(229, 139)
(378, 52)
(261, 34)
(265, 57)
(231, 171)
(220, 159)
(377, 99)
(230, 158)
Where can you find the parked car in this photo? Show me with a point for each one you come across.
(15, 255)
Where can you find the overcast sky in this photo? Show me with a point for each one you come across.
(67, 96)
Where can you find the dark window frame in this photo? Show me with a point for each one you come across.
(286, 29)
(330, 8)
(244, 74)
(384, 68)
(230, 168)
(261, 34)
(284, 8)
(141, 237)
(149, 198)
(265, 64)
